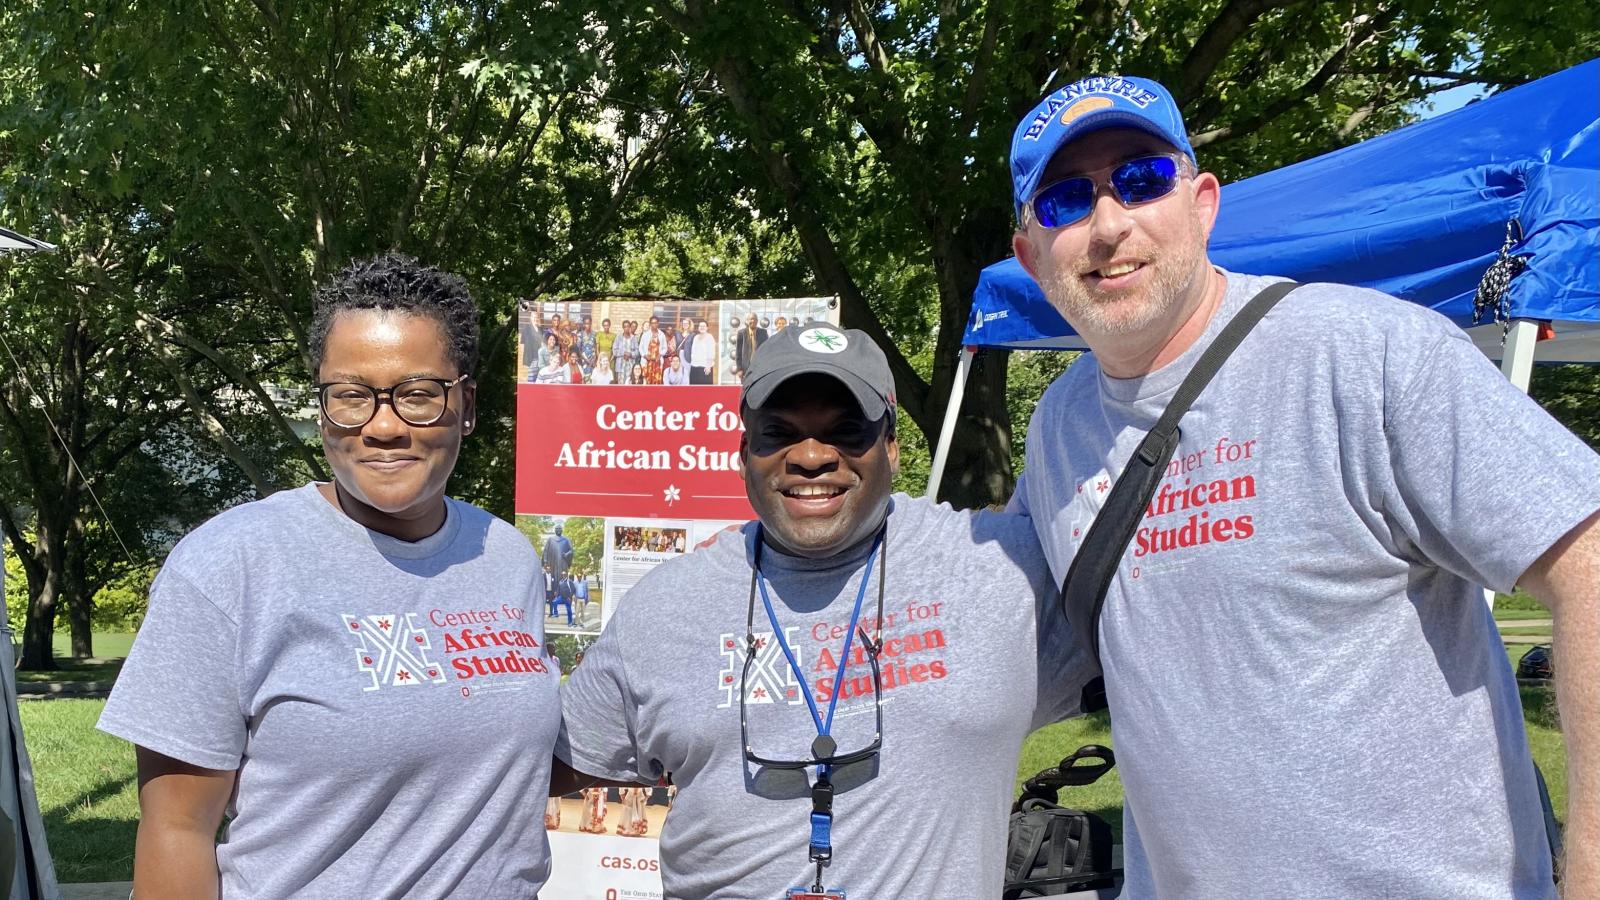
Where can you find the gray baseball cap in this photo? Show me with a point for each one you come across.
(846, 354)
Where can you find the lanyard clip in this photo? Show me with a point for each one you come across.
(822, 819)
(821, 836)
(822, 797)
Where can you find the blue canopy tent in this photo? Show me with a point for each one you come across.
(1420, 213)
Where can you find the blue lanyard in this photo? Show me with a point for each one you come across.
(824, 726)
(821, 842)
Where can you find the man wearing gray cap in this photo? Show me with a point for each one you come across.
(840, 690)
(1308, 695)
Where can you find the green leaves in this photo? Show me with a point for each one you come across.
(879, 132)
(205, 165)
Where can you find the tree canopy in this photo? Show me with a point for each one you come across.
(204, 165)
(879, 131)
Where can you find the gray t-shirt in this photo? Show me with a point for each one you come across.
(388, 705)
(1309, 697)
(967, 604)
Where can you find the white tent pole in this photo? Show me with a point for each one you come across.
(1516, 363)
(958, 390)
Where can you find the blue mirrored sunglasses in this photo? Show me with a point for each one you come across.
(1136, 181)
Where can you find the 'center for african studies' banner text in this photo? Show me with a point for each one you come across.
(624, 451)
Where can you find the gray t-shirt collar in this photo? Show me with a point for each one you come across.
(388, 546)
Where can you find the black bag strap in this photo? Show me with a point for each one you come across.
(1083, 593)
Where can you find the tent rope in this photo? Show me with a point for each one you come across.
(1494, 291)
(44, 408)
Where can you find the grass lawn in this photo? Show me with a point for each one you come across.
(1518, 615)
(107, 644)
(1526, 630)
(109, 648)
(87, 790)
(1045, 747)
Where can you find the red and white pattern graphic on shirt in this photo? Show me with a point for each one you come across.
(392, 651)
(771, 679)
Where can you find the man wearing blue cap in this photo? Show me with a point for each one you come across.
(840, 690)
(1309, 696)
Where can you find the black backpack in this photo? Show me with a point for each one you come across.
(1052, 850)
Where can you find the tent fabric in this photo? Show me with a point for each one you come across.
(1420, 213)
(12, 240)
(34, 875)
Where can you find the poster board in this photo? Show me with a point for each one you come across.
(626, 456)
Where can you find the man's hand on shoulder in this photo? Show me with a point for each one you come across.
(730, 529)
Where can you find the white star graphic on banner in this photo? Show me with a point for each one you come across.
(671, 494)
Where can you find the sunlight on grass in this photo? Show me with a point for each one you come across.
(87, 790)
(107, 644)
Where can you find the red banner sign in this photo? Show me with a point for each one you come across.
(607, 450)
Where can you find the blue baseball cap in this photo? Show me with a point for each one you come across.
(1101, 101)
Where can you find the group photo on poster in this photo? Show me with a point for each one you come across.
(618, 341)
(747, 324)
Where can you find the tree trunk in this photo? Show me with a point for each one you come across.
(40, 627)
(978, 472)
(47, 586)
(79, 598)
(78, 616)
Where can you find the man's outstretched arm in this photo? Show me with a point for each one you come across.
(565, 780)
(1567, 580)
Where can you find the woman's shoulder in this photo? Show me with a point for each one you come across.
(501, 539)
(231, 538)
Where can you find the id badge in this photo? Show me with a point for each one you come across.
(809, 894)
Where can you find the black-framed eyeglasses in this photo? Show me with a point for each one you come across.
(417, 401)
(827, 758)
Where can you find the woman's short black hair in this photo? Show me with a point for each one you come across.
(395, 281)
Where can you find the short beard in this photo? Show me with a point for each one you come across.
(1173, 271)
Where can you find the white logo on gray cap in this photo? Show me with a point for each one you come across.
(823, 340)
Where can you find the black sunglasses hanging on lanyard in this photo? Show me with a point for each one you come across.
(825, 753)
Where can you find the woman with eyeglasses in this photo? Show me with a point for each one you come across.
(352, 673)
